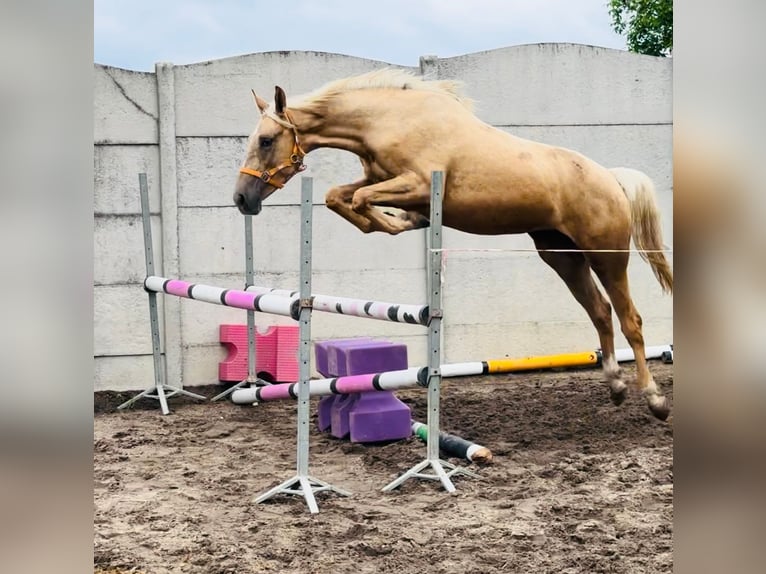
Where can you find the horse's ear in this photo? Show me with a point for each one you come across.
(280, 100)
(260, 102)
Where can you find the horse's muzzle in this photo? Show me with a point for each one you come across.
(245, 207)
(248, 195)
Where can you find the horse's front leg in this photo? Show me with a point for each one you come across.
(338, 199)
(407, 192)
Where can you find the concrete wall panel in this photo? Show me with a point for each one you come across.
(564, 84)
(127, 373)
(115, 174)
(118, 246)
(121, 320)
(124, 106)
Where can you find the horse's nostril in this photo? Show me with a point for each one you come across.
(239, 199)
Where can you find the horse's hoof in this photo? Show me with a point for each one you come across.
(660, 409)
(618, 391)
(418, 221)
(618, 398)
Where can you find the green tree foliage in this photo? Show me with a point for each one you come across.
(648, 24)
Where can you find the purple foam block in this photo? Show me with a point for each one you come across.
(321, 349)
(363, 357)
(336, 354)
(376, 359)
(350, 358)
(324, 412)
(379, 416)
(339, 421)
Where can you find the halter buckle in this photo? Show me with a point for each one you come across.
(265, 176)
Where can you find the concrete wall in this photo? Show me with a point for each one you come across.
(187, 126)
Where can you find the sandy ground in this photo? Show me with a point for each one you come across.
(577, 485)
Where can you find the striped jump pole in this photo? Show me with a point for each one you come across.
(388, 381)
(413, 314)
(265, 303)
(414, 376)
(287, 303)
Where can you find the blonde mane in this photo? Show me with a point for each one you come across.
(380, 79)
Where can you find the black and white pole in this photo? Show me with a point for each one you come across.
(397, 312)
(434, 283)
(158, 390)
(303, 484)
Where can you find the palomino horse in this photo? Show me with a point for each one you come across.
(580, 215)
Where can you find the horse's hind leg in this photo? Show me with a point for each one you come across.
(574, 270)
(612, 271)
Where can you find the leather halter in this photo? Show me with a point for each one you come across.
(295, 160)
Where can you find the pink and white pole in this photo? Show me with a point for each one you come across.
(283, 302)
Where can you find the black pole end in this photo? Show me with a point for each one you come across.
(295, 309)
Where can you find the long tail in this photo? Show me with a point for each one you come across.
(646, 228)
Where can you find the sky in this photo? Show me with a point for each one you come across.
(136, 34)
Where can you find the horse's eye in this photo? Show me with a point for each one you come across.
(266, 142)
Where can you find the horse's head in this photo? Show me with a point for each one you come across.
(273, 156)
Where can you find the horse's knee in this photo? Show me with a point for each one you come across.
(333, 199)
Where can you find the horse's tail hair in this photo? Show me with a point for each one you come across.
(645, 219)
